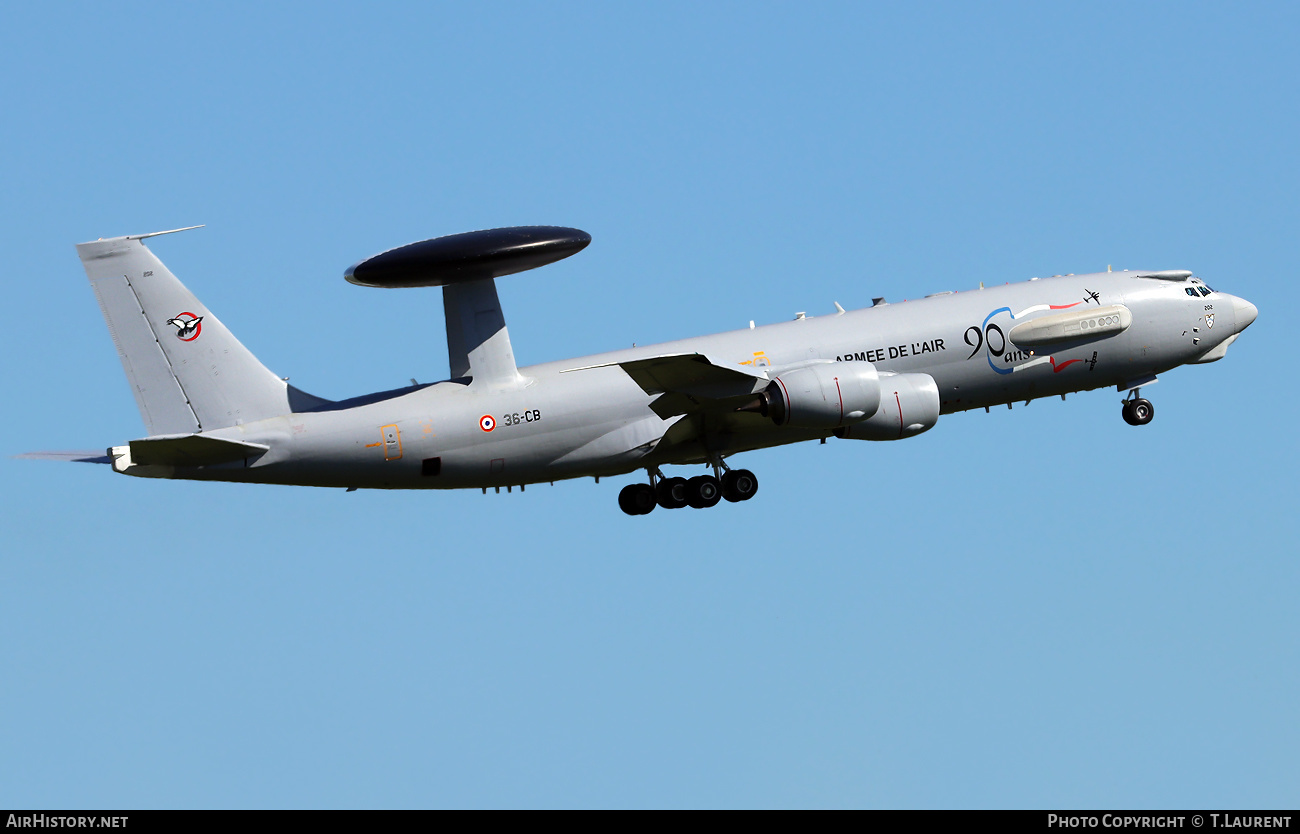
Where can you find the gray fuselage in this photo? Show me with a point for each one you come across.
(588, 417)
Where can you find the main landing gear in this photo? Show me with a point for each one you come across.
(1137, 410)
(698, 492)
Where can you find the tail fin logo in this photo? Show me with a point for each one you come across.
(188, 326)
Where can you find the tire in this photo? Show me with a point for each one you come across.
(703, 491)
(636, 499)
(739, 485)
(670, 493)
(1127, 413)
(625, 500)
(1143, 412)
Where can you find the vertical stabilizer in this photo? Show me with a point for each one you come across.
(187, 371)
(478, 344)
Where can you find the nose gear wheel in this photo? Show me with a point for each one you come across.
(1138, 411)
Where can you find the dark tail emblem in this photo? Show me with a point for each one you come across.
(188, 326)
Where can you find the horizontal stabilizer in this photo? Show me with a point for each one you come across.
(191, 450)
(93, 456)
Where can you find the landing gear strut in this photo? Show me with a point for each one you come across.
(1137, 411)
(699, 492)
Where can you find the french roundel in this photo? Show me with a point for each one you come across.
(486, 423)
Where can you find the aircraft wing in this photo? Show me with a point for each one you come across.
(688, 382)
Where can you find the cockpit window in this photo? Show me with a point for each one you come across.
(1191, 291)
(1206, 290)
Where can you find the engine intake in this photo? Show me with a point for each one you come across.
(821, 396)
(909, 405)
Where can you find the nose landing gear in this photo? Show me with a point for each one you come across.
(699, 492)
(1137, 411)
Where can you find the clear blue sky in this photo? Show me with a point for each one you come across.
(884, 625)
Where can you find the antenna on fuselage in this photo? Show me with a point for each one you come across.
(466, 266)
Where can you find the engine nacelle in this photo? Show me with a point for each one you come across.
(909, 405)
(822, 396)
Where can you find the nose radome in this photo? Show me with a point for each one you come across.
(1245, 312)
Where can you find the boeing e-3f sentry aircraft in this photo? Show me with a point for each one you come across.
(214, 412)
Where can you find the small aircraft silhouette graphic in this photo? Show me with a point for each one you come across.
(185, 327)
(1091, 296)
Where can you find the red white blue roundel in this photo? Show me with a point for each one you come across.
(188, 326)
(487, 423)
